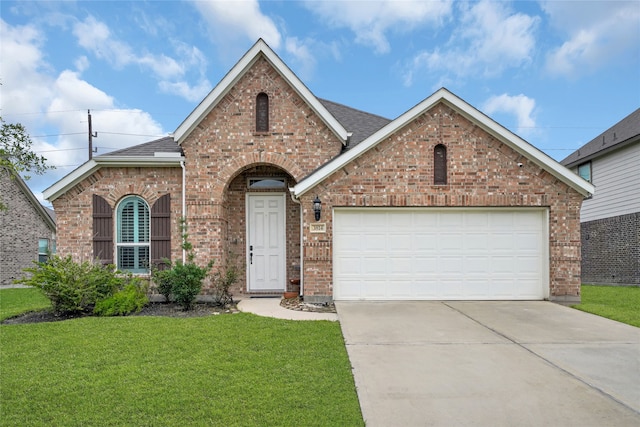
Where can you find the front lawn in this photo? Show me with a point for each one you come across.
(21, 300)
(230, 370)
(613, 302)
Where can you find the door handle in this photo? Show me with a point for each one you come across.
(251, 254)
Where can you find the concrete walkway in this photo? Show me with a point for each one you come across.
(270, 307)
(491, 364)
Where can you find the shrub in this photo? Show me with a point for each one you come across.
(72, 287)
(182, 280)
(131, 299)
(186, 280)
(222, 281)
(163, 281)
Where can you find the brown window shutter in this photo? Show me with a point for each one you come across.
(161, 231)
(102, 230)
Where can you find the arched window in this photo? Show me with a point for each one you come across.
(440, 165)
(133, 232)
(262, 112)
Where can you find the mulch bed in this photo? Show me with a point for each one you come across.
(152, 309)
(170, 310)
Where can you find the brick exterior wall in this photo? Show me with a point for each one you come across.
(74, 209)
(21, 226)
(224, 150)
(481, 172)
(611, 250)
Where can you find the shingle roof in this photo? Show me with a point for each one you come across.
(615, 137)
(162, 145)
(360, 123)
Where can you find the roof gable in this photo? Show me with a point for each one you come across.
(625, 132)
(470, 113)
(163, 152)
(259, 49)
(48, 218)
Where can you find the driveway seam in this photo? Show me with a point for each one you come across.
(549, 362)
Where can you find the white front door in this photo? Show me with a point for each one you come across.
(265, 242)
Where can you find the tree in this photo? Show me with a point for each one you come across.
(16, 155)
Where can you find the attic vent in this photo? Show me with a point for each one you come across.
(262, 112)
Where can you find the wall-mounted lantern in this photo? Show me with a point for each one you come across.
(317, 208)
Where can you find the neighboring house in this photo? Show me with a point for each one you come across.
(440, 203)
(610, 219)
(27, 229)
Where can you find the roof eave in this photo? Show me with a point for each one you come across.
(35, 202)
(604, 152)
(471, 113)
(249, 58)
(90, 167)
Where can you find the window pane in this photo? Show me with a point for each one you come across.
(133, 258)
(43, 246)
(263, 183)
(133, 229)
(584, 170)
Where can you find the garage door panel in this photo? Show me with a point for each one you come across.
(440, 254)
(400, 241)
(450, 241)
(425, 241)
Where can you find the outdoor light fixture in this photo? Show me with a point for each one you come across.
(317, 208)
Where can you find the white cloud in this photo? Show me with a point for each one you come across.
(171, 73)
(25, 86)
(488, 38)
(301, 51)
(370, 21)
(53, 103)
(520, 106)
(229, 20)
(597, 32)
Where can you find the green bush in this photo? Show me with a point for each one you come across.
(131, 299)
(186, 280)
(163, 281)
(72, 287)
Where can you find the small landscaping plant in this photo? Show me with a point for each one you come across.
(182, 280)
(222, 281)
(73, 287)
(129, 300)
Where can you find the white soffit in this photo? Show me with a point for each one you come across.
(472, 114)
(222, 88)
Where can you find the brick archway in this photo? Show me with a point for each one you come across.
(238, 165)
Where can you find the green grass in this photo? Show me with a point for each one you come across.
(21, 300)
(613, 302)
(227, 370)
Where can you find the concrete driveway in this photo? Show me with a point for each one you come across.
(491, 364)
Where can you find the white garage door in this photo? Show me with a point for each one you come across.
(440, 254)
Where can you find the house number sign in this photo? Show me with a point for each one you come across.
(318, 227)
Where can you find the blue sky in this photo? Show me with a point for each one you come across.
(557, 73)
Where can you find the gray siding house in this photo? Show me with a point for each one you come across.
(27, 229)
(610, 219)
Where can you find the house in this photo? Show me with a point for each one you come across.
(440, 203)
(27, 229)
(610, 219)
